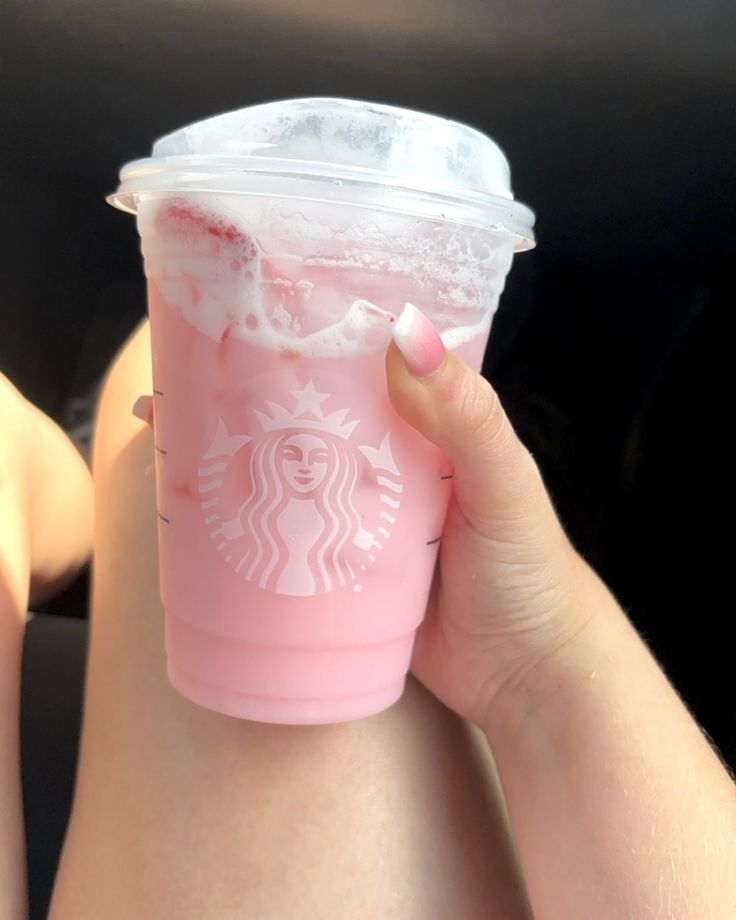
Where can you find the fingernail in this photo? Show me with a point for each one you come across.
(150, 473)
(143, 409)
(418, 341)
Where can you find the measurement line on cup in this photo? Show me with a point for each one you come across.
(161, 450)
(436, 540)
(158, 392)
(164, 519)
(447, 477)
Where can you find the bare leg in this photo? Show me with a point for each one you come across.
(45, 535)
(183, 813)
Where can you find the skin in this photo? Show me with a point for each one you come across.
(45, 537)
(618, 805)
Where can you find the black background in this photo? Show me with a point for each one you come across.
(610, 347)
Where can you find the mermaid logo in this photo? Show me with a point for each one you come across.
(299, 509)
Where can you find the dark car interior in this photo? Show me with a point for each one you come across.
(618, 120)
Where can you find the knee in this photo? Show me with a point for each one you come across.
(128, 377)
(131, 367)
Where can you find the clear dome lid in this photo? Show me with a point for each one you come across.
(398, 158)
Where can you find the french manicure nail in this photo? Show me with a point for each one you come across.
(418, 341)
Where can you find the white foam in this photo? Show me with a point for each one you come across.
(461, 335)
(219, 287)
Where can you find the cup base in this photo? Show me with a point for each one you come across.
(283, 711)
(285, 684)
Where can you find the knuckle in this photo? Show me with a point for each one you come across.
(484, 420)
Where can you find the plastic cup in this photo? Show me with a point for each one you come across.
(299, 516)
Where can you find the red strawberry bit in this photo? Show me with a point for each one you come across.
(181, 217)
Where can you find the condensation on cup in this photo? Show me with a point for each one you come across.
(299, 516)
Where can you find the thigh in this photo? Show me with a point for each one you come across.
(184, 813)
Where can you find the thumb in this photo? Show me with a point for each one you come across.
(496, 482)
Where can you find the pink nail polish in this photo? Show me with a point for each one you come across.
(418, 341)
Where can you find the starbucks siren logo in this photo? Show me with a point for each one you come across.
(296, 525)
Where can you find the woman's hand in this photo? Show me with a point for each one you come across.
(510, 589)
(618, 806)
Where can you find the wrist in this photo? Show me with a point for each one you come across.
(567, 650)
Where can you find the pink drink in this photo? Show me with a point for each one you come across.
(299, 516)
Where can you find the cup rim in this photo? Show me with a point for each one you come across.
(223, 174)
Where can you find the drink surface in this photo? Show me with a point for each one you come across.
(306, 276)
